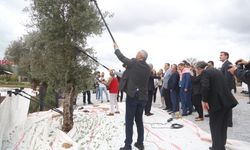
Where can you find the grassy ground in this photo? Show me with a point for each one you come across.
(15, 84)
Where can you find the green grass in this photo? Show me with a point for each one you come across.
(15, 84)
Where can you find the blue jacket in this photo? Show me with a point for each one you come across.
(185, 83)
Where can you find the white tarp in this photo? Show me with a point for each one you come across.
(37, 131)
(93, 130)
(13, 114)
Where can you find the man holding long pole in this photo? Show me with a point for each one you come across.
(136, 87)
(138, 73)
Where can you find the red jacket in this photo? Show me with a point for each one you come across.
(113, 86)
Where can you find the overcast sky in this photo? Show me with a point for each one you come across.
(170, 30)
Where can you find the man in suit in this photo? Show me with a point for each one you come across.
(165, 90)
(137, 74)
(224, 56)
(173, 86)
(218, 100)
(210, 63)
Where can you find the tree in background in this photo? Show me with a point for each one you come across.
(51, 53)
(192, 61)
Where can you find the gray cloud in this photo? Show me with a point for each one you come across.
(234, 16)
(131, 15)
(175, 29)
(12, 20)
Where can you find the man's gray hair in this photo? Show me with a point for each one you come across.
(145, 54)
(201, 64)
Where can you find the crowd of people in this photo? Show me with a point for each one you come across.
(184, 89)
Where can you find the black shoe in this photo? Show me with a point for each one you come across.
(207, 115)
(126, 148)
(248, 102)
(148, 114)
(139, 146)
(230, 125)
(190, 113)
(164, 109)
(107, 100)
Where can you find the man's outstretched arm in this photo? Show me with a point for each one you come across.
(121, 57)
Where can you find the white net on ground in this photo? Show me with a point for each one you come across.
(94, 130)
(13, 114)
(39, 131)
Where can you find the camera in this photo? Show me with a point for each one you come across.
(242, 66)
(243, 71)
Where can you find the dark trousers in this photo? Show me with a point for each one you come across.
(149, 102)
(120, 94)
(134, 111)
(174, 100)
(160, 90)
(166, 95)
(57, 99)
(218, 126)
(84, 97)
(230, 118)
(154, 95)
(248, 86)
(41, 102)
(197, 104)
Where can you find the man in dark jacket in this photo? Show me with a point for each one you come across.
(230, 81)
(151, 89)
(137, 74)
(173, 86)
(218, 100)
(196, 96)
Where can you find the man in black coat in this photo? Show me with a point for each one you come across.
(218, 100)
(136, 87)
(224, 56)
(196, 95)
(173, 86)
(151, 89)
